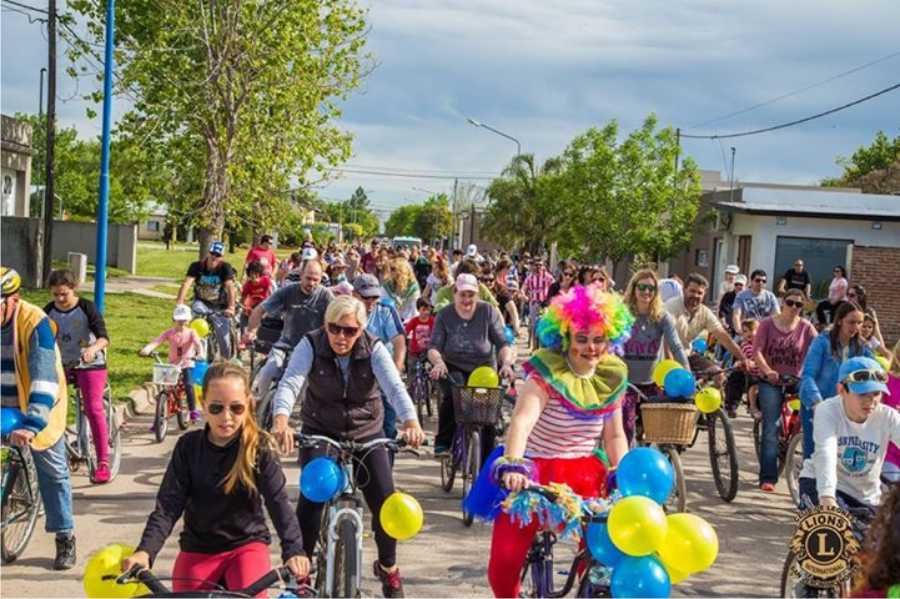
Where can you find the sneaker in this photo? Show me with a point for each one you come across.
(767, 488)
(65, 552)
(391, 585)
(101, 474)
(441, 452)
(195, 416)
(732, 412)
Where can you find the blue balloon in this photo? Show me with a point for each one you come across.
(510, 335)
(601, 546)
(321, 479)
(699, 345)
(680, 383)
(640, 577)
(11, 419)
(645, 471)
(198, 372)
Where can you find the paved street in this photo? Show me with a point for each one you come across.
(446, 559)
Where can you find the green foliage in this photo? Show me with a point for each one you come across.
(352, 211)
(77, 174)
(430, 221)
(238, 98)
(879, 155)
(402, 221)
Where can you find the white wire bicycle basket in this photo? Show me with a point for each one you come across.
(165, 374)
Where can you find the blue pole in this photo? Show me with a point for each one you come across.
(103, 203)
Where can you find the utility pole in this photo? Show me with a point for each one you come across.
(103, 200)
(47, 241)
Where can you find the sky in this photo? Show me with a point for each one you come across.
(545, 71)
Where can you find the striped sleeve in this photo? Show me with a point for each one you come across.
(44, 381)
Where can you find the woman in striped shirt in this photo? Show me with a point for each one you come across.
(572, 398)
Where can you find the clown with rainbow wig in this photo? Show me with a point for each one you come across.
(571, 398)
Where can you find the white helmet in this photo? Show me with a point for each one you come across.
(181, 312)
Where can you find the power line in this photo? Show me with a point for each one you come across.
(421, 170)
(407, 175)
(795, 92)
(27, 6)
(798, 121)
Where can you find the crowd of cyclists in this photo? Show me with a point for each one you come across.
(342, 325)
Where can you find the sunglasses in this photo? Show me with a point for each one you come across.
(757, 280)
(216, 408)
(336, 329)
(644, 287)
(738, 284)
(864, 376)
(793, 304)
(568, 274)
(486, 280)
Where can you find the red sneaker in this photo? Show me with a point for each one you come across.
(101, 474)
(391, 585)
(767, 488)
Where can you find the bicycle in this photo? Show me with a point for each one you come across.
(723, 457)
(474, 408)
(790, 435)
(422, 388)
(171, 398)
(213, 351)
(78, 439)
(538, 574)
(20, 501)
(265, 406)
(338, 555)
(277, 576)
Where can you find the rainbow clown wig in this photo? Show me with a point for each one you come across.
(582, 308)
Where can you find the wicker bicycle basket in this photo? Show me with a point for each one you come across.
(476, 405)
(669, 423)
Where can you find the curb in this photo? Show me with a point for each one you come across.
(139, 401)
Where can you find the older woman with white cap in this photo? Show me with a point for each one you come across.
(727, 284)
(467, 334)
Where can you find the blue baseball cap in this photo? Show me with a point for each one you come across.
(217, 247)
(872, 385)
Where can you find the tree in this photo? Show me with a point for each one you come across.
(402, 221)
(873, 167)
(434, 219)
(252, 84)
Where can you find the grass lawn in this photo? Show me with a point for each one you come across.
(154, 260)
(132, 321)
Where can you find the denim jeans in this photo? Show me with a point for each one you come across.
(390, 418)
(55, 487)
(770, 400)
(221, 327)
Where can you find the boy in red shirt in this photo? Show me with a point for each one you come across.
(257, 287)
(263, 254)
(418, 331)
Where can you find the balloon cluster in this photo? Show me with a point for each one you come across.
(646, 550)
(101, 570)
(679, 383)
(11, 419)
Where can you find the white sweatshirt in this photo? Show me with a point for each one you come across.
(849, 455)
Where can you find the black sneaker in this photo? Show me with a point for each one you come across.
(391, 585)
(65, 552)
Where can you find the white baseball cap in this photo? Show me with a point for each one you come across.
(309, 254)
(472, 250)
(732, 269)
(466, 282)
(181, 312)
(742, 279)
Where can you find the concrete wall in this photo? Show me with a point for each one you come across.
(20, 242)
(878, 270)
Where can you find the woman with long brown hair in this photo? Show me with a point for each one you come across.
(439, 277)
(652, 326)
(225, 536)
(400, 286)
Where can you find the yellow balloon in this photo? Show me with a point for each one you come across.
(708, 400)
(107, 562)
(198, 392)
(691, 544)
(794, 405)
(637, 525)
(484, 376)
(661, 369)
(676, 576)
(885, 363)
(401, 516)
(200, 326)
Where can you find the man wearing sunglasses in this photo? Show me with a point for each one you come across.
(852, 432)
(757, 303)
(215, 294)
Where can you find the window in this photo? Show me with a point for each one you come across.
(701, 258)
(153, 225)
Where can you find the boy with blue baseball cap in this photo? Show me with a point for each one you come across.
(852, 431)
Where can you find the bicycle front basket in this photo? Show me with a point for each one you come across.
(165, 374)
(476, 405)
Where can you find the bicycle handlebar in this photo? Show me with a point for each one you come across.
(305, 440)
(148, 578)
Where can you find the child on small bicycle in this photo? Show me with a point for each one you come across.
(82, 339)
(225, 535)
(418, 331)
(184, 344)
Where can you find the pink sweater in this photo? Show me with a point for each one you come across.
(183, 345)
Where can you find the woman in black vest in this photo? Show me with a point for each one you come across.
(344, 367)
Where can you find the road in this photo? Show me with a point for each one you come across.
(446, 559)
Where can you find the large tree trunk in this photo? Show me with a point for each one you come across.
(215, 193)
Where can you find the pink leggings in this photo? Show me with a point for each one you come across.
(239, 568)
(92, 383)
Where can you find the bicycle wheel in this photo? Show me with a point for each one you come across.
(722, 454)
(419, 397)
(793, 462)
(19, 508)
(181, 411)
(86, 441)
(677, 501)
(346, 568)
(429, 394)
(115, 435)
(470, 470)
(264, 409)
(448, 473)
(792, 586)
(160, 422)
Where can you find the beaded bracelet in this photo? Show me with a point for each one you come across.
(504, 464)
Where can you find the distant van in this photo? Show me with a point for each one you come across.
(405, 242)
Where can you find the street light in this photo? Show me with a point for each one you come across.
(500, 133)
